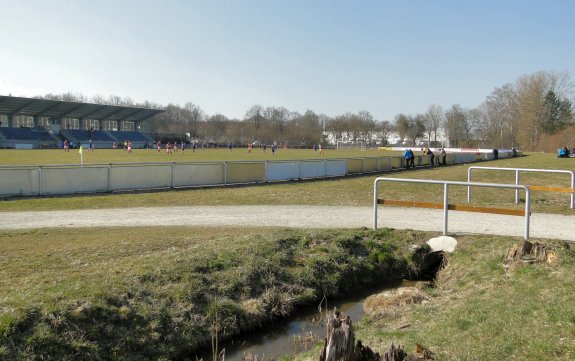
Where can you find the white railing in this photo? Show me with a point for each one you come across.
(445, 206)
(525, 170)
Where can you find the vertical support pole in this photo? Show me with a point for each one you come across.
(390, 163)
(527, 211)
(40, 190)
(469, 187)
(572, 188)
(109, 177)
(173, 174)
(225, 172)
(445, 205)
(517, 183)
(375, 204)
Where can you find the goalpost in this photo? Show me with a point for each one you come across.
(351, 145)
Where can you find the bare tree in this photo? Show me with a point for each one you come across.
(367, 125)
(434, 118)
(454, 125)
(215, 128)
(193, 115)
(384, 128)
(416, 128)
(401, 126)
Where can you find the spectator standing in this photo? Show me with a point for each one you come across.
(430, 153)
(407, 156)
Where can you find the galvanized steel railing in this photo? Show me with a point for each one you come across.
(445, 206)
(535, 188)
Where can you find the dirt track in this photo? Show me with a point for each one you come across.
(542, 225)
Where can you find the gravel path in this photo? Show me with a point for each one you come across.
(542, 225)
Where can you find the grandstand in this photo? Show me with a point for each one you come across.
(28, 123)
(26, 138)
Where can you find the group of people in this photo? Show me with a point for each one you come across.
(172, 148)
(410, 157)
(66, 145)
(564, 152)
(126, 145)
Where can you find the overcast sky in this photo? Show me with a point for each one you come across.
(386, 57)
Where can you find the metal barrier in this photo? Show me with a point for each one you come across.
(535, 188)
(445, 206)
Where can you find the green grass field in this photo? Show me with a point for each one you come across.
(351, 191)
(104, 156)
(63, 290)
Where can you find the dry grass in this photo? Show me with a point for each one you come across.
(481, 310)
(391, 303)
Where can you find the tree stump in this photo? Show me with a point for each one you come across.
(340, 345)
(531, 253)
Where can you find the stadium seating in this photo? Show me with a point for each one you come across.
(131, 136)
(85, 136)
(26, 134)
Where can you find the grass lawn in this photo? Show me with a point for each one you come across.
(480, 309)
(104, 156)
(351, 191)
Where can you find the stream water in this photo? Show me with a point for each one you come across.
(296, 334)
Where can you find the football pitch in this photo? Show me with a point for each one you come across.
(104, 156)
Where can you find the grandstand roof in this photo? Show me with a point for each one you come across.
(57, 109)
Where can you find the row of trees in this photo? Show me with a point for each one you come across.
(528, 114)
(532, 114)
(271, 124)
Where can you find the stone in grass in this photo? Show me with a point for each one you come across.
(442, 243)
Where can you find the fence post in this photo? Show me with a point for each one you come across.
(517, 179)
(469, 187)
(375, 204)
(173, 174)
(445, 207)
(572, 189)
(527, 211)
(40, 188)
(225, 172)
(109, 177)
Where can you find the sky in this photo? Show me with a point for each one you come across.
(331, 57)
